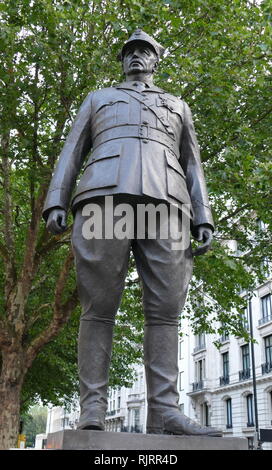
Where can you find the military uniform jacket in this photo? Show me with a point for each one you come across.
(139, 141)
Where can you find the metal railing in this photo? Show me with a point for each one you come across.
(199, 347)
(244, 374)
(198, 386)
(224, 338)
(266, 367)
(224, 380)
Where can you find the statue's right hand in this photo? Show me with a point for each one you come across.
(56, 222)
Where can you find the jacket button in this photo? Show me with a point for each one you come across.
(145, 141)
(145, 122)
(145, 108)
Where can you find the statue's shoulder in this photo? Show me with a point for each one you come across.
(173, 97)
(105, 93)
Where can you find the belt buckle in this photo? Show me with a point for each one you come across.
(143, 131)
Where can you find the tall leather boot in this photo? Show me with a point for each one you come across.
(94, 355)
(161, 366)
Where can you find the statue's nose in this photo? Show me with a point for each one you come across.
(136, 53)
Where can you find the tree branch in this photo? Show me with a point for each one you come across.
(7, 250)
(232, 214)
(29, 267)
(61, 313)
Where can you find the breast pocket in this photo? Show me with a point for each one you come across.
(115, 111)
(170, 115)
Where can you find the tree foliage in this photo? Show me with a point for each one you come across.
(53, 52)
(34, 423)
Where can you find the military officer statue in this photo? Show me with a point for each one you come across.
(143, 148)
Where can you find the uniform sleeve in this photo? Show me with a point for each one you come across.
(195, 179)
(76, 147)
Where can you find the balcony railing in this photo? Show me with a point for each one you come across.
(244, 374)
(266, 367)
(223, 338)
(199, 347)
(134, 397)
(224, 380)
(198, 386)
(264, 320)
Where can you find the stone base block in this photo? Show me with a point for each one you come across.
(100, 440)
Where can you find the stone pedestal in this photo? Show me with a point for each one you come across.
(100, 440)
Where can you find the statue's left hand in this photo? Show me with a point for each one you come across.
(204, 235)
(56, 222)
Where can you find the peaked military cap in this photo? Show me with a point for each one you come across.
(140, 35)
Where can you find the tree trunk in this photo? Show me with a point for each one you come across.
(11, 381)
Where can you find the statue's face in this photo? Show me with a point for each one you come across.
(139, 58)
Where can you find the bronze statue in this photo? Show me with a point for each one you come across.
(143, 149)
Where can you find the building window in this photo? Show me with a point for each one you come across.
(65, 422)
(245, 357)
(134, 420)
(265, 266)
(200, 370)
(200, 340)
(245, 319)
(225, 360)
(268, 349)
(225, 335)
(266, 307)
(250, 413)
(205, 414)
(137, 417)
(229, 413)
(224, 380)
(245, 372)
(199, 375)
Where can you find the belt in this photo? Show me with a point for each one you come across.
(142, 132)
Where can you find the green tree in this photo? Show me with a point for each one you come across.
(53, 53)
(34, 423)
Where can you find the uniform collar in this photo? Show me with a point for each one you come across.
(129, 86)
